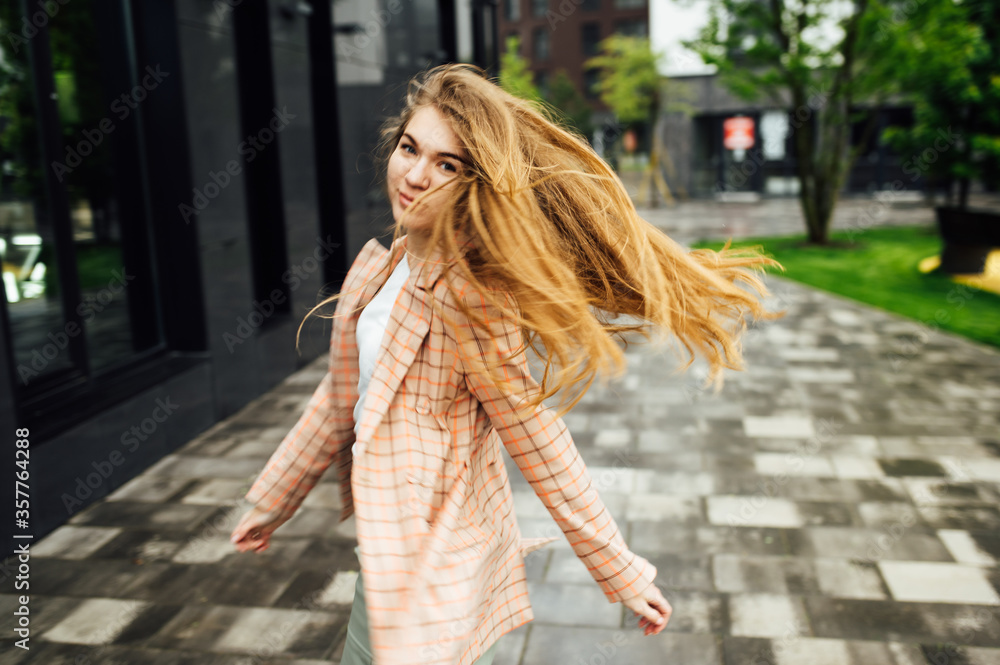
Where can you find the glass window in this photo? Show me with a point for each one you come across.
(636, 28)
(541, 43)
(590, 79)
(542, 82)
(539, 7)
(27, 237)
(590, 35)
(512, 10)
(74, 237)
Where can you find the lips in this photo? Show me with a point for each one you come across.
(405, 200)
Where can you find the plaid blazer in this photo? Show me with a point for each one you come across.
(441, 554)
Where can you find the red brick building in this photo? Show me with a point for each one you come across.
(562, 34)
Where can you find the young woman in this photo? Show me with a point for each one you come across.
(511, 232)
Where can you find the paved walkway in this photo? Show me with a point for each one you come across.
(837, 503)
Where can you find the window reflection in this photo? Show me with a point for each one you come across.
(88, 121)
(71, 193)
(27, 250)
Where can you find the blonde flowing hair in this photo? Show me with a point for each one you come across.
(543, 228)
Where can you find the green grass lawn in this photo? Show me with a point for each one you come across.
(879, 267)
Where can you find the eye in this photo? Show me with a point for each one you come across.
(450, 166)
(407, 146)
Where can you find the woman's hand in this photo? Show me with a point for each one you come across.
(253, 533)
(652, 609)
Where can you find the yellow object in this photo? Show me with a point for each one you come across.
(988, 280)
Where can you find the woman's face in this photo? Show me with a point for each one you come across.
(428, 154)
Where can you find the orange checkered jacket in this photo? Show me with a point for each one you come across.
(441, 554)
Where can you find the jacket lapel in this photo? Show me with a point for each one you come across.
(404, 335)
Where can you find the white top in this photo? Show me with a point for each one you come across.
(372, 323)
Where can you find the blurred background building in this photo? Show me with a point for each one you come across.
(561, 35)
(726, 147)
(180, 180)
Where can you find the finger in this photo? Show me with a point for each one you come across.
(653, 616)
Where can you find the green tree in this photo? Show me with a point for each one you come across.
(777, 50)
(629, 81)
(566, 97)
(630, 84)
(951, 65)
(515, 76)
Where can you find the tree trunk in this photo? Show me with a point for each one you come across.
(963, 193)
(811, 183)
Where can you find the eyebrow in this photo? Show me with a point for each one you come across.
(440, 154)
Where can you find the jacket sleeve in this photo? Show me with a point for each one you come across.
(543, 450)
(325, 427)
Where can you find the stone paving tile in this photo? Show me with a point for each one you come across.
(704, 613)
(680, 572)
(950, 653)
(215, 491)
(259, 632)
(95, 621)
(869, 544)
(561, 644)
(753, 511)
(173, 516)
(844, 578)
(90, 578)
(574, 605)
(189, 466)
(938, 582)
(512, 646)
(766, 615)
(151, 489)
(47, 611)
(793, 650)
(75, 542)
(843, 618)
(984, 518)
(681, 539)
(967, 549)
(221, 585)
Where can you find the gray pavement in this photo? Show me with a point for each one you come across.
(836, 503)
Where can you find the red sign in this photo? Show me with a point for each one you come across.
(737, 132)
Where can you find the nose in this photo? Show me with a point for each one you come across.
(417, 176)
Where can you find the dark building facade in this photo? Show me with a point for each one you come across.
(182, 181)
(729, 147)
(563, 34)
